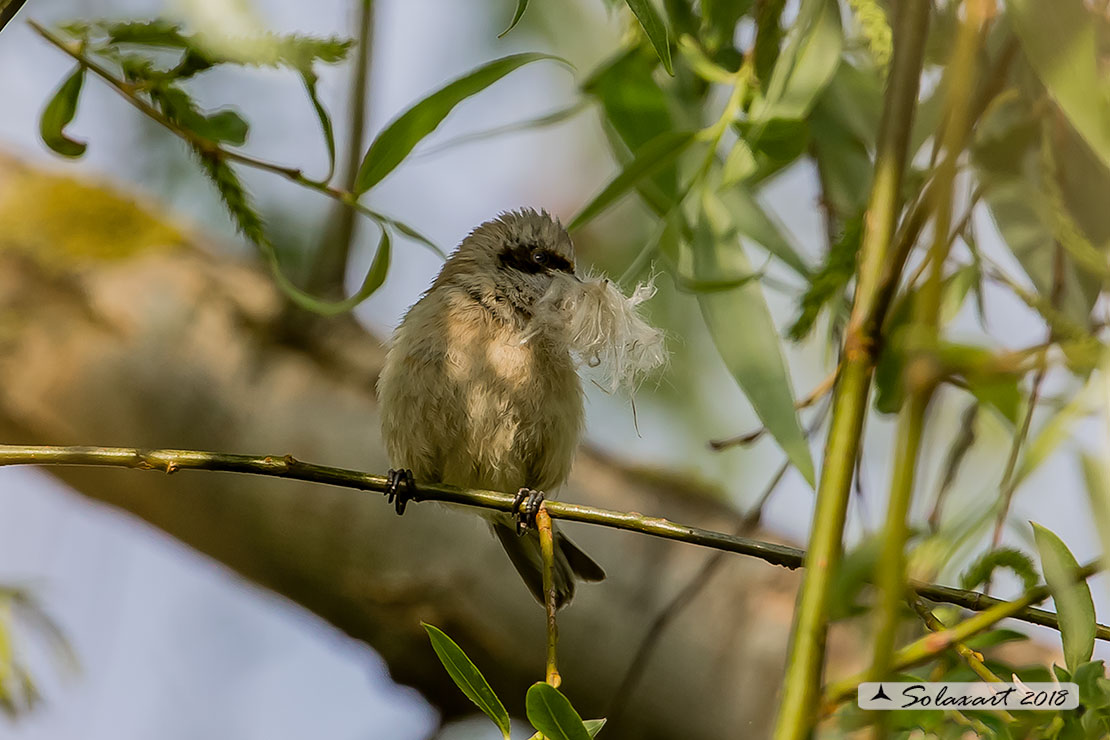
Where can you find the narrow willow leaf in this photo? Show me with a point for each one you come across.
(406, 231)
(1074, 605)
(656, 154)
(593, 726)
(521, 6)
(806, 64)
(739, 164)
(1060, 41)
(468, 678)
(552, 714)
(309, 78)
(748, 342)
(1055, 431)
(655, 29)
(394, 143)
(59, 112)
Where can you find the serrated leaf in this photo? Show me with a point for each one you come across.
(552, 714)
(753, 221)
(521, 6)
(59, 112)
(373, 280)
(655, 29)
(1059, 39)
(746, 338)
(395, 142)
(653, 156)
(468, 678)
(1074, 606)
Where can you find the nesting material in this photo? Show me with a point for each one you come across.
(603, 328)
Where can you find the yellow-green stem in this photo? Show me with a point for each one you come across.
(547, 551)
(797, 712)
(920, 378)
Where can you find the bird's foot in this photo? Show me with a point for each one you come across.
(526, 504)
(400, 489)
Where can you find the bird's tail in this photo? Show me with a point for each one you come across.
(571, 564)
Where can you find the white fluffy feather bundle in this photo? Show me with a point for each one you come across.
(603, 328)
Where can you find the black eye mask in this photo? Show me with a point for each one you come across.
(523, 257)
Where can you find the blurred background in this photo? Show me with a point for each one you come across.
(170, 644)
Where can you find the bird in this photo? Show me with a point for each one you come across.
(479, 390)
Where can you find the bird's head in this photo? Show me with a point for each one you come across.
(512, 259)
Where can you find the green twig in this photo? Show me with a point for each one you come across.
(286, 466)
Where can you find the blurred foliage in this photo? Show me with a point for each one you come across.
(704, 106)
(23, 621)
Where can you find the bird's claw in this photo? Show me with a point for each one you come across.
(400, 488)
(526, 504)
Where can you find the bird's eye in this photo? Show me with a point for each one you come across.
(539, 256)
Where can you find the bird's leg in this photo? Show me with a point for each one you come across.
(400, 489)
(526, 504)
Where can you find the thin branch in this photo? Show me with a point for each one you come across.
(819, 391)
(547, 551)
(928, 647)
(1009, 480)
(286, 466)
(333, 253)
(920, 374)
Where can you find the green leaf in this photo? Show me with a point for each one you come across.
(982, 570)
(593, 726)
(221, 126)
(655, 29)
(1059, 39)
(468, 678)
(748, 342)
(59, 112)
(552, 714)
(1097, 477)
(309, 78)
(1074, 606)
(394, 143)
(739, 165)
(656, 154)
(719, 19)
(806, 64)
(521, 6)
